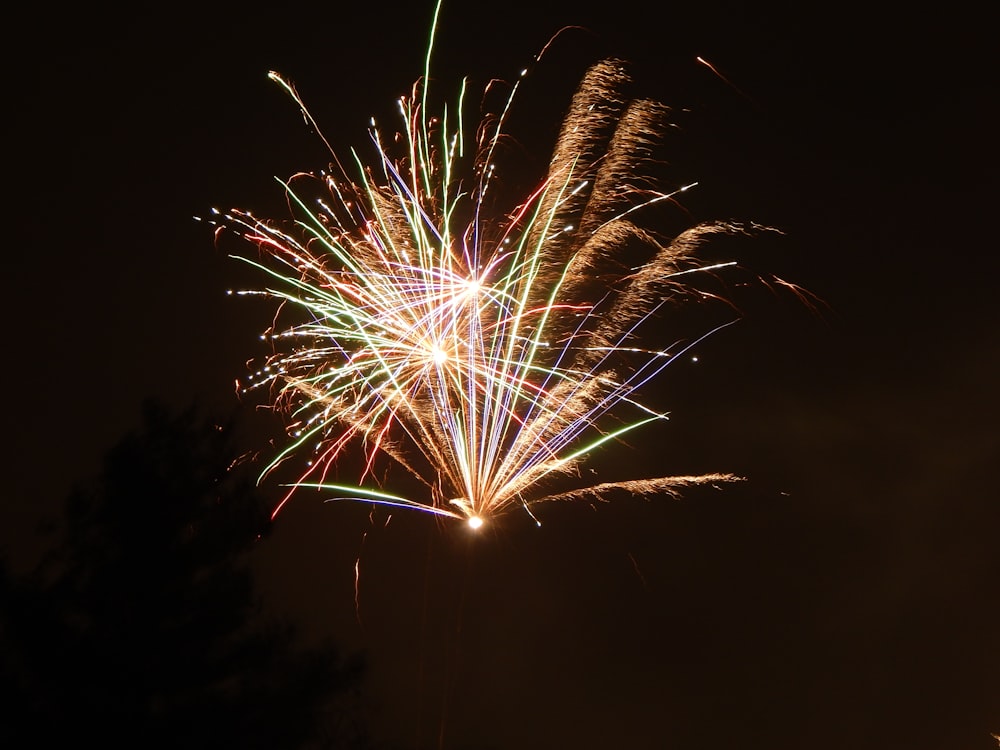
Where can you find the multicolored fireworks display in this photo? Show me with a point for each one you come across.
(484, 352)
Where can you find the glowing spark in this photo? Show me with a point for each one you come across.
(725, 80)
(485, 353)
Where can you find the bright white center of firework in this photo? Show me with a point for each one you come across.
(475, 522)
(439, 355)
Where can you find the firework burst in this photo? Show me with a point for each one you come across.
(484, 352)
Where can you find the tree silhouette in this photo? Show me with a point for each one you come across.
(141, 628)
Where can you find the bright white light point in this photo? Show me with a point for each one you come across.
(694, 359)
(439, 355)
(475, 522)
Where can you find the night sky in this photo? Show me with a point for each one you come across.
(846, 595)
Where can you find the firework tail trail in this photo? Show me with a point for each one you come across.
(479, 351)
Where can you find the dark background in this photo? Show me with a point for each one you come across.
(845, 595)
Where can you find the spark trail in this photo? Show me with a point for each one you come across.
(484, 352)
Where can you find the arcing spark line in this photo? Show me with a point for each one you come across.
(483, 353)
